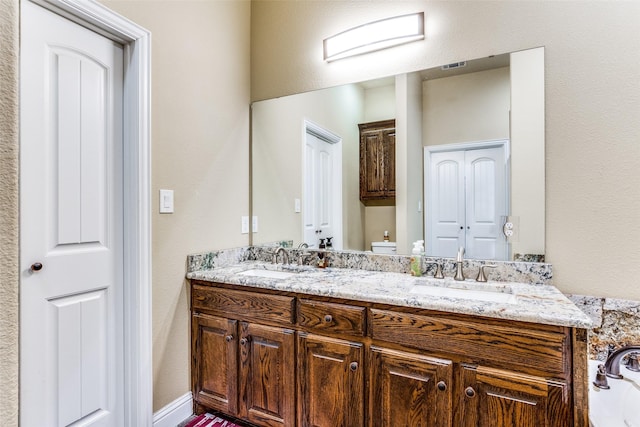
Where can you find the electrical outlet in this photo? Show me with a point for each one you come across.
(245, 225)
(297, 207)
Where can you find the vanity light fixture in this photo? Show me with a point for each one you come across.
(375, 36)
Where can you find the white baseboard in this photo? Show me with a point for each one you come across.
(175, 412)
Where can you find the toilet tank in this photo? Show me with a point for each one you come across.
(383, 247)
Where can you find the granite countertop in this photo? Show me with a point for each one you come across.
(543, 304)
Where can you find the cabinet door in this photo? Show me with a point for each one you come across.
(495, 398)
(409, 389)
(267, 380)
(331, 382)
(215, 363)
(377, 160)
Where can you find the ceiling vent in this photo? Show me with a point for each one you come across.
(454, 65)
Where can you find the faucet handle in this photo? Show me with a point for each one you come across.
(438, 274)
(482, 277)
(601, 378)
(633, 364)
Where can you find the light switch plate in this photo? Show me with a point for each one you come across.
(254, 224)
(297, 207)
(166, 201)
(245, 225)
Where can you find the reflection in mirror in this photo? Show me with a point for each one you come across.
(469, 161)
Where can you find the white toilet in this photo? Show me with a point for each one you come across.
(383, 247)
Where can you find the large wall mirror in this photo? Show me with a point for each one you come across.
(466, 135)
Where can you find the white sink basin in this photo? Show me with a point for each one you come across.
(268, 274)
(617, 406)
(500, 295)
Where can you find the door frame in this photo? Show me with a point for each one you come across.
(136, 42)
(460, 146)
(309, 127)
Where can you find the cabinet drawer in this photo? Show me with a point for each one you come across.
(500, 345)
(330, 317)
(250, 305)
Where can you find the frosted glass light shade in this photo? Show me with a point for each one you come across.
(375, 36)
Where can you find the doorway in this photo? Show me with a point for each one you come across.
(467, 199)
(322, 194)
(85, 215)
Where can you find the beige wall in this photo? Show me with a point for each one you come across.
(278, 160)
(200, 133)
(9, 212)
(527, 150)
(409, 169)
(467, 107)
(592, 104)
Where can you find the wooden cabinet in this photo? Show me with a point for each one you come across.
(285, 359)
(330, 382)
(378, 161)
(244, 372)
(267, 386)
(492, 397)
(215, 362)
(408, 389)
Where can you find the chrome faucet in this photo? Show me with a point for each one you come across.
(304, 254)
(285, 255)
(459, 273)
(612, 365)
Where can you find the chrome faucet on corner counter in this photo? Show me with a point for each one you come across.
(459, 273)
(612, 365)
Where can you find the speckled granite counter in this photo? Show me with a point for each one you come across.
(529, 303)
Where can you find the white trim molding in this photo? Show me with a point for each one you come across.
(175, 412)
(137, 181)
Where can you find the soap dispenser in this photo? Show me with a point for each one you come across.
(329, 243)
(322, 262)
(416, 258)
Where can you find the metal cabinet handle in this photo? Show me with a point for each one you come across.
(353, 366)
(470, 392)
(36, 266)
(328, 318)
(442, 386)
(228, 338)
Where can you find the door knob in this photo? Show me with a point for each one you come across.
(36, 266)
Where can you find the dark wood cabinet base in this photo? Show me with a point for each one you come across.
(268, 358)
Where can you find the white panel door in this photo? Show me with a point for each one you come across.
(71, 312)
(485, 204)
(446, 204)
(466, 194)
(319, 212)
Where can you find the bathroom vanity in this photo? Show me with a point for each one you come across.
(340, 347)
